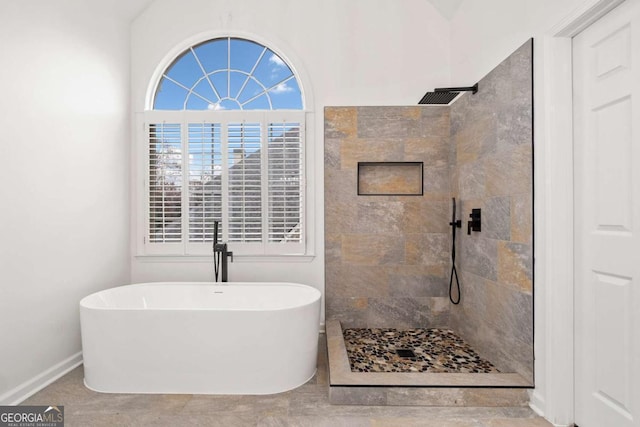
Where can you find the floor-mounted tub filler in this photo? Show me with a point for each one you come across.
(200, 338)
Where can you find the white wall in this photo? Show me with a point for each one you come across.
(64, 150)
(484, 33)
(360, 52)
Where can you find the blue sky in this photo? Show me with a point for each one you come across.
(228, 74)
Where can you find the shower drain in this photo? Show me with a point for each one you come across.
(405, 353)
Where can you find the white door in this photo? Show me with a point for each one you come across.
(606, 60)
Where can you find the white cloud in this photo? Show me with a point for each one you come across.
(274, 59)
(215, 106)
(281, 88)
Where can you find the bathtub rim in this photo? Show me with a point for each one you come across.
(83, 305)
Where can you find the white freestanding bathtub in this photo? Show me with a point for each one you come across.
(200, 338)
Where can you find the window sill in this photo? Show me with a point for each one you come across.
(236, 258)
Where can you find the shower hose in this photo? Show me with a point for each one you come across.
(454, 224)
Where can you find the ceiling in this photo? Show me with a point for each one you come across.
(131, 8)
(128, 9)
(447, 8)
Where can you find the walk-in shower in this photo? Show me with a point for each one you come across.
(410, 302)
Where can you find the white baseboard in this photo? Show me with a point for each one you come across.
(536, 402)
(40, 381)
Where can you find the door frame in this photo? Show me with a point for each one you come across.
(553, 210)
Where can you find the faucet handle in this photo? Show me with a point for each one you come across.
(230, 255)
(475, 223)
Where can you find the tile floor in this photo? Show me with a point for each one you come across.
(306, 406)
(432, 350)
(341, 374)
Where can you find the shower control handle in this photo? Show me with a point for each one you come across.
(475, 223)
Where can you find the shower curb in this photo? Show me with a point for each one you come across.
(416, 389)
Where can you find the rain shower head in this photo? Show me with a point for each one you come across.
(444, 95)
(439, 98)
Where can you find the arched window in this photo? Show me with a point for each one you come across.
(225, 142)
(228, 74)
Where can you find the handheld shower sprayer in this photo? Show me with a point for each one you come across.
(454, 224)
(221, 255)
(216, 254)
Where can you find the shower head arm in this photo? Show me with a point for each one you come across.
(472, 89)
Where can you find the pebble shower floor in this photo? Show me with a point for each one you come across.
(434, 351)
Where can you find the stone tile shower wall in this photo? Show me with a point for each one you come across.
(491, 157)
(387, 256)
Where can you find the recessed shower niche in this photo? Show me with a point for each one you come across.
(390, 178)
(388, 256)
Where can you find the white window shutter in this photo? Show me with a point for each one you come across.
(205, 180)
(165, 183)
(244, 141)
(285, 183)
(245, 172)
